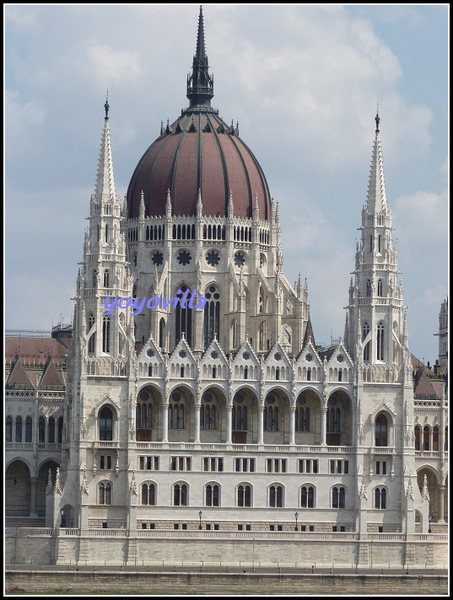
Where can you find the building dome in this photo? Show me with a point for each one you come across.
(199, 153)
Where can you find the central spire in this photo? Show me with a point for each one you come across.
(377, 197)
(200, 85)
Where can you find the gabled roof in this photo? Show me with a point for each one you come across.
(18, 377)
(426, 388)
(214, 346)
(245, 347)
(51, 377)
(309, 335)
(142, 350)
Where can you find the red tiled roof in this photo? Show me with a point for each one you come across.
(34, 352)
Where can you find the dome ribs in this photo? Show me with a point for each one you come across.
(215, 132)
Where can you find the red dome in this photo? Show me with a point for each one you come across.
(199, 152)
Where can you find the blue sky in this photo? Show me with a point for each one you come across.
(303, 81)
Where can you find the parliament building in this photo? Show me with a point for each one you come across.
(222, 428)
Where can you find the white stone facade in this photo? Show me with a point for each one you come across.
(230, 418)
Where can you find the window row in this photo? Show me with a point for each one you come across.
(244, 495)
(208, 418)
(49, 431)
(248, 465)
(427, 438)
(145, 420)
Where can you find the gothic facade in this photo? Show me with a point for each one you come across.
(228, 417)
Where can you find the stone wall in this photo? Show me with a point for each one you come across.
(168, 583)
(201, 548)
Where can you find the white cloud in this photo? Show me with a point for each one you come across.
(421, 217)
(108, 65)
(302, 80)
(24, 21)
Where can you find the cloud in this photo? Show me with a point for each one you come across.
(421, 218)
(302, 80)
(324, 82)
(107, 65)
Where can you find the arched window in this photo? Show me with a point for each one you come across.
(176, 416)
(417, 437)
(28, 430)
(365, 332)
(18, 429)
(92, 339)
(381, 430)
(379, 287)
(302, 419)
(276, 496)
(208, 415)
(244, 495)
(42, 430)
(380, 341)
(211, 315)
(51, 431)
(106, 334)
(368, 287)
(380, 498)
(271, 418)
(105, 493)
(148, 494)
(307, 497)
(9, 429)
(180, 494)
(106, 424)
(233, 334)
(435, 438)
(333, 419)
(239, 418)
(144, 415)
(183, 319)
(212, 495)
(338, 497)
(162, 333)
(106, 278)
(262, 336)
(426, 445)
(60, 430)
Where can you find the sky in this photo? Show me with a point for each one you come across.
(303, 82)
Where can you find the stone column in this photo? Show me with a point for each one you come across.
(441, 518)
(165, 406)
(260, 424)
(229, 428)
(292, 425)
(34, 485)
(197, 422)
(323, 425)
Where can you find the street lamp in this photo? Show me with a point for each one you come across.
(296, 516)
(200, 514)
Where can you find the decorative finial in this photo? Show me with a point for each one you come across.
(200, 84)
(377, 119)
(107, 106)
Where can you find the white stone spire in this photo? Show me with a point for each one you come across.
(105, 181)
(377, 197)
